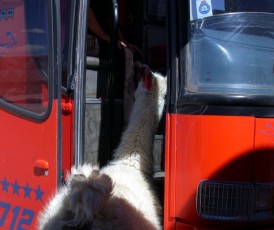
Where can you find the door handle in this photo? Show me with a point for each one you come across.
(41, 167)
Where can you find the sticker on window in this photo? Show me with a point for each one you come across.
(204, 8)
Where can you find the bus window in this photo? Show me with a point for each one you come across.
(250, 6)
(65, 6)
(154, 35)
(231, 53)
(156, 10)
(24, 51)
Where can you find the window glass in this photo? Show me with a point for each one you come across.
(156, 10)
(232, 52)
(24, 54)
(65, 38)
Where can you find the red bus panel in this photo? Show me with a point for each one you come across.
(28, 147)
(26, 183)
(225, 149)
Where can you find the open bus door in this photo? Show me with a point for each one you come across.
(30, 113)
(219, 136)
(42, 75)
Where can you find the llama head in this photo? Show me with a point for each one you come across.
(153, 84)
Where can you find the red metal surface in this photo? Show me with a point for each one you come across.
(222, 148)
(182, 226)
(23, 190)
(264, 150)
(170, 172)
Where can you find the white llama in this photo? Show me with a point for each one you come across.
(120, 195)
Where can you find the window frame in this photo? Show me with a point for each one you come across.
(53, 73)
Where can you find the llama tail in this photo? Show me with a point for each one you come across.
(88, 195)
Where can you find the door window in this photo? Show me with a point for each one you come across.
(24, 56)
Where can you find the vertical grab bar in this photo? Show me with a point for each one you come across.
(110, 93)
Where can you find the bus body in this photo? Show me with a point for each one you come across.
(214, 148)
(32, 115)
(219, 138)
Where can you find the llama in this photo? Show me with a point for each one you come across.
(120, 195)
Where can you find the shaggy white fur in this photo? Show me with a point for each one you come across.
(120, 195)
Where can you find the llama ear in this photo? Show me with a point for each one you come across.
(146, 77)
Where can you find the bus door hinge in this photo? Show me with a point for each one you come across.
(71, 84)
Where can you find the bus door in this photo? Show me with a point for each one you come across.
(30, 110)
(220, 142)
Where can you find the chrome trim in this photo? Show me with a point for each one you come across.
(80, 73)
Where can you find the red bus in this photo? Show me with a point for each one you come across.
(59, 105)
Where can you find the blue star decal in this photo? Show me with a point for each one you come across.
(27, 190)
(5, 185)
(15, 187)
(39, 193)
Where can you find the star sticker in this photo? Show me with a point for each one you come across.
(39, 193)
(5, 185)
(15, 187)
(27, 190)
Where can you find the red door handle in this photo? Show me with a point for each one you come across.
(42, 164)
(41, 168)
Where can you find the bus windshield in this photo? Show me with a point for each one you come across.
(230, 48)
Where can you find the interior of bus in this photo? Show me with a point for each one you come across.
(142, 24)
(146, 30)
(152, 44)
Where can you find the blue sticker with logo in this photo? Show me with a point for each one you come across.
(204, 8)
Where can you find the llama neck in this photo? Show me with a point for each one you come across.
(136, 146)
